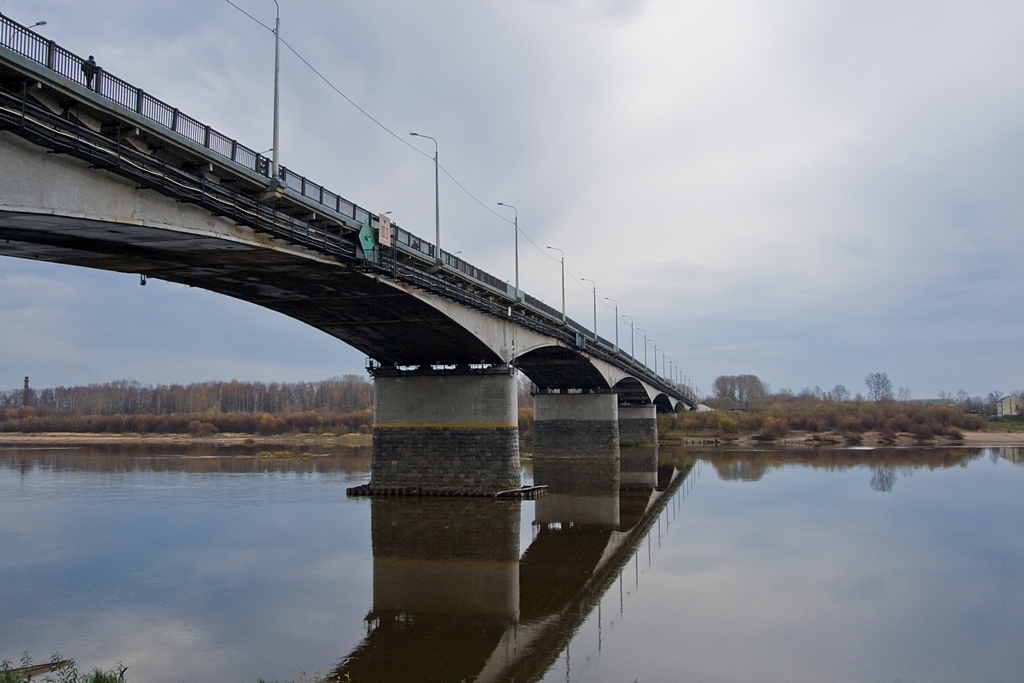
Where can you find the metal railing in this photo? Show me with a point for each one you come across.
(43, 52)
(34, 47)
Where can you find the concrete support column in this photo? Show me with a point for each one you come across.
(638, 425)
(445, 432)
(576, 424)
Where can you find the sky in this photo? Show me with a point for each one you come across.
(808, 192)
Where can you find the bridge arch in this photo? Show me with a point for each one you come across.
(664, 403)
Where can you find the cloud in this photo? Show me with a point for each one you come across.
(832, 173)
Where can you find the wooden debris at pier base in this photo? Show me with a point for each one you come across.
(525, 492)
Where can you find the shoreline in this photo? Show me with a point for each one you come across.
(826, 440)
(797, 440)
(228, 439)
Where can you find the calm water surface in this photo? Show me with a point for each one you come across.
(685, 565)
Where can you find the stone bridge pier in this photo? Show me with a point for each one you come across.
(638, 424)
(576, 424)
(449, 432)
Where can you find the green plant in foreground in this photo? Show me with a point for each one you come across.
(67, 673)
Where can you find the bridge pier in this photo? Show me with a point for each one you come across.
(576, 424)
(445, 432)
(638, 425)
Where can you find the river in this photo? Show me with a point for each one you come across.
(204, 564)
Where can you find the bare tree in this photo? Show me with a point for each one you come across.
(740, 388)
(991, 400)
(903, 394)
(879, 386)
(840, 393)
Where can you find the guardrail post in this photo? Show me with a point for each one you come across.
(206, 136)
(234, 149)
(140, 97)
(99, 80)
(51, 48)
(174, 119)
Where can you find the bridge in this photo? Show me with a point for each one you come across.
(96, 172)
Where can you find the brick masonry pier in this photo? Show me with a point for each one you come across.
(447, 432)
(576, 424)
(638, 425)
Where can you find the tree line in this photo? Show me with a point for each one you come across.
(742, 391)
(339, 394)
(746, 405)
(338, 406)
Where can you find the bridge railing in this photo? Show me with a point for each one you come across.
(34, 47)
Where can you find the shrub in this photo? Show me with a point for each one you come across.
(773, 428)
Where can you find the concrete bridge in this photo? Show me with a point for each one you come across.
(96, 172)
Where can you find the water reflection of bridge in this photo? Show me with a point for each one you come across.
(453, 599)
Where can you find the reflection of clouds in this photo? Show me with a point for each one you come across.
(151, 640)
(864, 589)
(808, 576)
(182, 576)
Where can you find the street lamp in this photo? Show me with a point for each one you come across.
(515, 224)
(631, 335)
(274, 165)
(645, 344)
(608, 298)
(563, 280)
(655, 345)
(437, 199)
(38, 23)
(594, 292)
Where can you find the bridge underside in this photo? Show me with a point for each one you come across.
(371, 316)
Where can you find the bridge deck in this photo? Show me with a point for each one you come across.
(118, 128)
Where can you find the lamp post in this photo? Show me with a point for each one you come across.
(437, 198)
(515, 225)
(645, 344)
(631, 347)
(563, 280)
(608, 298)
(655, 345)
(275, 168)
(594, 292)
(38, 23)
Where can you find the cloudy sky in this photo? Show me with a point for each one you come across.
(805, 191)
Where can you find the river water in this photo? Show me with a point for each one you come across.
(211, 565)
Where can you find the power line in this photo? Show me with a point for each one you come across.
(406, 143)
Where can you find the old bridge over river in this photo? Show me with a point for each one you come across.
(96, 172)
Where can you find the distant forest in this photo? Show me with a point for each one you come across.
(339, 405)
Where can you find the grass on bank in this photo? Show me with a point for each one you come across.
(67, 673)
(36, 419)
(771, 420)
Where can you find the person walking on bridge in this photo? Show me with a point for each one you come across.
(89, 68)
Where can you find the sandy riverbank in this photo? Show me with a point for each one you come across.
(984, 439)
(17, 438)
(794, 440)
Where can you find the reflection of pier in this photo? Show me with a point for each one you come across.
(452, 598)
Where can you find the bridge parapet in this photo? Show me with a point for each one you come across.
(118, 128)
